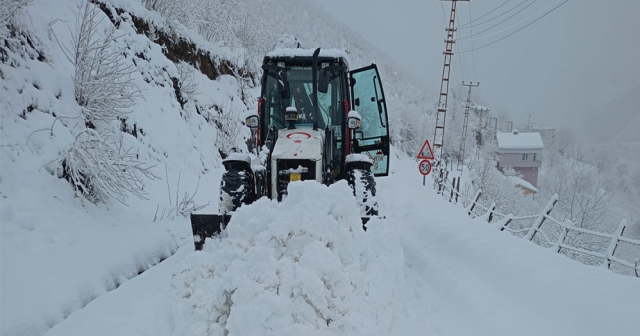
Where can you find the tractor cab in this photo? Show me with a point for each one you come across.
(288, 85)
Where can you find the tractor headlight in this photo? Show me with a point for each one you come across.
(291, 114)
(354, 120)
(252, 121)
(353, 123)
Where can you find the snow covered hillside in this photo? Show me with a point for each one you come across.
(59, 250)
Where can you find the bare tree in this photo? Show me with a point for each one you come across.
(103, 85)
(228, 125)
(183, 206)
(565, 139)
(8, 9)
(177, 11)
(99, 168)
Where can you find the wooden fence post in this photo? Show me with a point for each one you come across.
(458, 190)
(491, 209)
(504, 226)
(611, 250)
(453, 188)
(440, 181)
(538, 223)
(473, 205)
(563, 236)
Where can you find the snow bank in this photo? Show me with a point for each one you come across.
(300, 267)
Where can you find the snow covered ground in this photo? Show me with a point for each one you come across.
(429, 269)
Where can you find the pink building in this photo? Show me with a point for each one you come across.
(522, 152)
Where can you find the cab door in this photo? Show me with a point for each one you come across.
(372, 138)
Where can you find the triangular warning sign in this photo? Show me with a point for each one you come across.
(425, 152)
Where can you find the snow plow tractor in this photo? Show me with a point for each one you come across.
(316, 120)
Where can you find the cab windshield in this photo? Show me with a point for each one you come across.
(300, 96)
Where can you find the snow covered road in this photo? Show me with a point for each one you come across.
(496, 283)
(461, 277)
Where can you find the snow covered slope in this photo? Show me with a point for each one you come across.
(58, 250)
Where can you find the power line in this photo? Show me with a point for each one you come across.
(499, 23)
(495, 9)
(500, 15)
(527, 25)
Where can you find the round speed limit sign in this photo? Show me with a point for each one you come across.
(425, 167)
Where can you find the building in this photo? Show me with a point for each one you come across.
(522, 152)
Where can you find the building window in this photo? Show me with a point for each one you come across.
(534, 157)
(525, 157)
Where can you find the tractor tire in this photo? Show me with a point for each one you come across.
(236, 188)
(364, 189)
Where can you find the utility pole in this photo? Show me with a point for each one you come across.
(528, 127)
(463, 141)
(481, 111)
(438, 136)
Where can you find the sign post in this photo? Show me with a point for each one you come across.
(425, 154)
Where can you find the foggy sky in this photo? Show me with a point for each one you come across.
(575, 59)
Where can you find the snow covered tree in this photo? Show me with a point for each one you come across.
(100, 168)
(8, 9)
(103, 86)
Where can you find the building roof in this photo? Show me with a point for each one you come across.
(516, 140)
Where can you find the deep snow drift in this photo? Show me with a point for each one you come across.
(300, 267)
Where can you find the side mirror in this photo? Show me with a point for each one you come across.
(353, 120)
(252, 121)
(283, 84)
(323, 81)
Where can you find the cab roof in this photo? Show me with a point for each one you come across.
(303, 56)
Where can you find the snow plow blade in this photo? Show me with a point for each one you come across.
(205, 226)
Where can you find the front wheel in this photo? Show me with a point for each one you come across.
(364, 189)
(236, 188)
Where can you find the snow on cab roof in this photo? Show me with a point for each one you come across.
(287, 52)
(516, 140)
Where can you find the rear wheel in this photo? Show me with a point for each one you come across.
(236, 188)
(364, 189)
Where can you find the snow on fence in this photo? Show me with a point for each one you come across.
(451, 189)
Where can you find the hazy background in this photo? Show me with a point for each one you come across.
(564, 69)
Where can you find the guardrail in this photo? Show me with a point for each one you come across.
(451, 189)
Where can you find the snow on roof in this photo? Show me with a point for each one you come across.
(516, 140)
(285, 52)
(518, 182)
